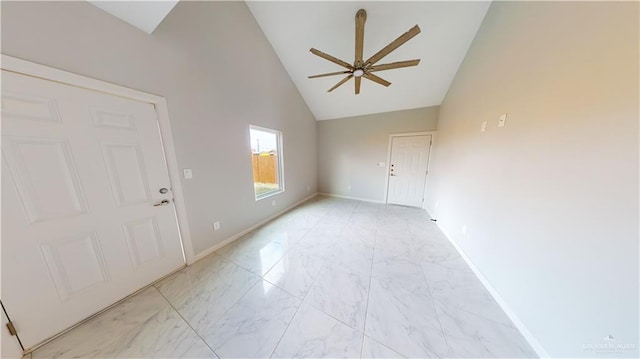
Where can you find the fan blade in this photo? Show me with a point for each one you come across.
(393, 65)
(361, 17)
(330, 74)
(331, 58)
(340, 83)
(393, 45)
(358, 79)
(376, 79)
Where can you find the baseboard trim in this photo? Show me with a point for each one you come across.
(353, 198)
(533, 341)
(217, 246)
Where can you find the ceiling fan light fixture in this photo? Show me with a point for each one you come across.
(365, 68)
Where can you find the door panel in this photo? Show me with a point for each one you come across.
(81, 172)
(46, 177)
(75, 264)
(143, 240)
(408, 169)
(127, 173)
(31, 108)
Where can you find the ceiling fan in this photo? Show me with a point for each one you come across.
(365, 68)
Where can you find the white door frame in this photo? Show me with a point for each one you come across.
(407, 134)
(28, 68)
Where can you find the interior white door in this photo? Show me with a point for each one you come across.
(408, 169)
(82, 172)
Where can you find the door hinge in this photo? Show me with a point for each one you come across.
(12, 329)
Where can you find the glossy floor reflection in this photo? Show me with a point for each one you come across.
(331, 278)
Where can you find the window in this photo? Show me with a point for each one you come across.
(266, 156)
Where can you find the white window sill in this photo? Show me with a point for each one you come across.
(268, 194)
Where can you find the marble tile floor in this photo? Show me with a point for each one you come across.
(331, 278)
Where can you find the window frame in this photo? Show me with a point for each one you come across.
(280, 162)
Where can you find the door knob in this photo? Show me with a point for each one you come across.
(164, 202)
(163, 190)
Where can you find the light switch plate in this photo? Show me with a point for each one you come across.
(483, 127)
(502, 121)
(188, 174)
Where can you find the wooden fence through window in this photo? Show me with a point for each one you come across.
(265, 168)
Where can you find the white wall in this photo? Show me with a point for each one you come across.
(349, 150)
(219, 74)
(551, 200)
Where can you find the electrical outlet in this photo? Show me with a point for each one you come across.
(349, 188)
(216, 226)
(273, 203)
(308, 188)
(502, 121)
(188, 174)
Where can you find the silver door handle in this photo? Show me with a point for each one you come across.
(392, 175)
(164, 202)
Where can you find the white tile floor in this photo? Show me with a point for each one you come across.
(332, 278)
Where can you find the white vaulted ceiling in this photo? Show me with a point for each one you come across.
(293, 27)
(145, 15)
(448, 28)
